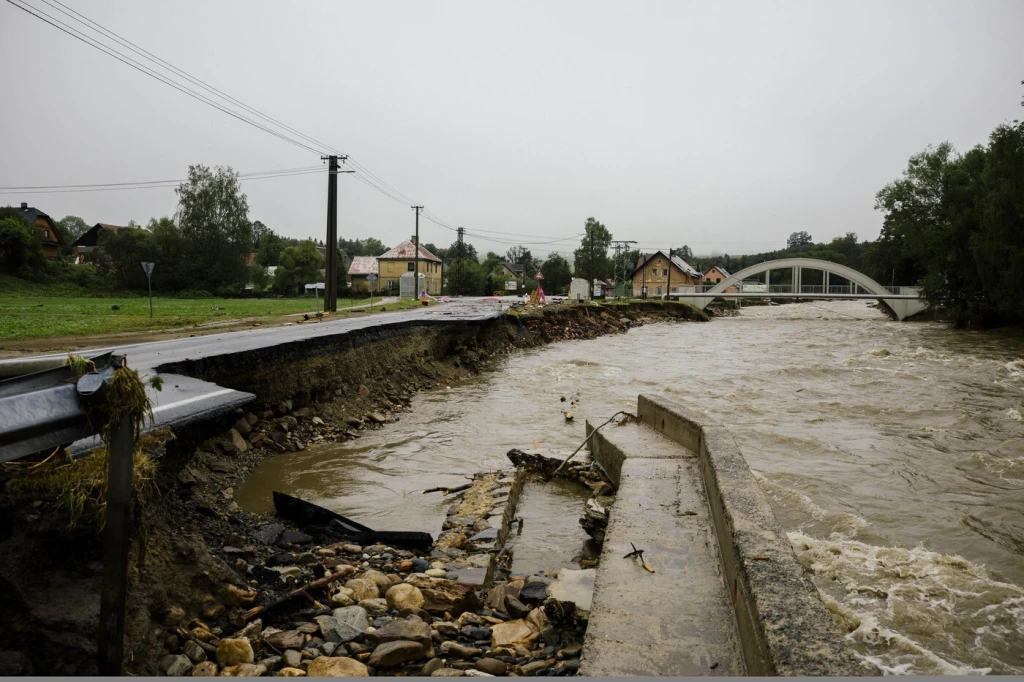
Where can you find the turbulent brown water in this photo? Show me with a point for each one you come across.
(893, 454)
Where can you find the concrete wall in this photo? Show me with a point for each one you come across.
(783, 624)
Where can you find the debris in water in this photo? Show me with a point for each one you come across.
(309, 514)
(639, 554)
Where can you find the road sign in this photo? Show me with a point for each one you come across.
(148, 267)
(371, 277)
(539, 275)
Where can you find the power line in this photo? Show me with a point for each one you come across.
(77, 35)
(156, 184)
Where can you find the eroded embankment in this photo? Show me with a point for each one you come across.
(316, 391)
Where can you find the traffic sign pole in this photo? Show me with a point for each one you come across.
(148, 269)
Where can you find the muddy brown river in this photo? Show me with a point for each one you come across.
(893, 454)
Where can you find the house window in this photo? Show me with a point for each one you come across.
(659, 291)
(46, 233)
(412, 266)
(654, 272)
(665, 272)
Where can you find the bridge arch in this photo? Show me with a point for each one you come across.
(898, 308)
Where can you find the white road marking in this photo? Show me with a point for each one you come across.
(194, 399)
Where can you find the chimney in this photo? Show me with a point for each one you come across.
(24, 206)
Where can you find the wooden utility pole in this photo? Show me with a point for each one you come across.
(592, 275)
(331, 278)
(416, 272)
(457, 289)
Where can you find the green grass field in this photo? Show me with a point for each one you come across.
(25, 317)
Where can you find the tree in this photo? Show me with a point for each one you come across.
(685, 253)
(213, 215)
(259, 232)
(20, 252)
(592, 256)
(798, 239)
(259, 277)
(126, 250)
(300, 265)
(557, 274)
(71, 228)
(521, 255)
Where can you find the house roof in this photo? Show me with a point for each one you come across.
(720, 269)
(90, 236)
(517, 268)
(676, 260)
(407, 251)
(363, 265)
(30, 214)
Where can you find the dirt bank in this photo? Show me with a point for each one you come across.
(312, 392)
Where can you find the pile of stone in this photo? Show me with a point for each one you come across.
(389, 613)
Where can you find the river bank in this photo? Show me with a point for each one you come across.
(179, 569)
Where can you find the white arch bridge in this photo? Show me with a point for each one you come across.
(899, 302)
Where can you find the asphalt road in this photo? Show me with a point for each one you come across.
(184, 399)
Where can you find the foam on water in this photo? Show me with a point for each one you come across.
(900, 606)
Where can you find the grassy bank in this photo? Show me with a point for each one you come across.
(47, 316)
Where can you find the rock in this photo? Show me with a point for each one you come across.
(268, 534)
(472, 672)
(335, 630)
(404, 596)
(516, 608)
(195, 652)
(376, 418)
(205, 669)
(243, 427)
(175, 665)
(448, 672)
(288, 571)
(288, 639)
(317, 421)
(272, 663)
(292, 658)
(172, 616)
(303, 413)
(574, 587)
(419, 613)
(442, 596)
(534, 591)
(420, 565)
(476, 634)
(492, 666)
(251, 631)
(405, 566)
(234, 651)
(284, 407)
(538, 620)
(430, 666)
(291, 672)
(415, 631)
(353, 616)
(396, 653)
(337, 666)
(363, 390)
(239, 596)
(446, 629)
(342, 597)
(362, 589)
(450, 648)
(243, 670)
(510, 633)
(378, 579)
(535, 666)
(374, 607)
(435, 573)
(237, 442)
(308, 628)
(282, 559)
(294, 537)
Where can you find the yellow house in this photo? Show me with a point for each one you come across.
(651, 276)
(401, 260)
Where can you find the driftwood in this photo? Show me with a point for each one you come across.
(300, 591)
(447, 491)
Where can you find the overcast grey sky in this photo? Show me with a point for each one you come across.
(722, 125)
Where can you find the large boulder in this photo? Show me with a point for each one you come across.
(392, 654)
(377, 578)
(404, 596)
(353, 616)
(336, 666)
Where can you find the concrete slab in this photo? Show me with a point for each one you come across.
(678, 620)
(576, 587)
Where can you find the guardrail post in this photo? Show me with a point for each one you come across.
(116, 542)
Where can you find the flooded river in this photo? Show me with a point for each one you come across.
(893, 454)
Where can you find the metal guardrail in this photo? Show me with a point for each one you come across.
(47, 409)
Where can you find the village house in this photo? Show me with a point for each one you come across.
(651, 275)
(85, 245)
(716, 274)
(508, 274)
(399, 261)
(361, 268)
(47, 234)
